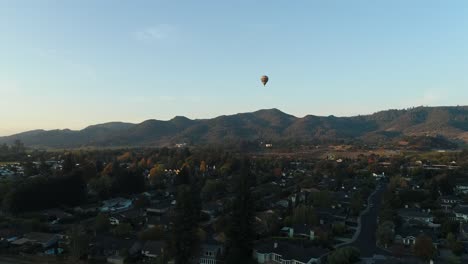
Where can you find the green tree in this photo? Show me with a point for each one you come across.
(386, 233)
(339, 228)
(455, 245)
(321, 199)
(346, 255)
(357, 203)
(185, 239)
(68, 164)
(18, 147)
(101, 223)
(123, 230)
(304, 214)
(210, 188)
(155, 233)
(44, 168)
(101, 186)
(78, 242)
(30, 169)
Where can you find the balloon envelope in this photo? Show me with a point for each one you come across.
(264, 79)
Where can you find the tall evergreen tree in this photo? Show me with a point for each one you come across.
(68, 164)
(185, 239)
(240, 232)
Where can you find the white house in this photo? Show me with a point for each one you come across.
(286, 252)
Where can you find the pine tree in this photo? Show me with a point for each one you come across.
(185, 239)
(240, 232)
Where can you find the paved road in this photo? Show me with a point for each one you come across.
(366, 241)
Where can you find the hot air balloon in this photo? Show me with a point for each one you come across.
(264, 79)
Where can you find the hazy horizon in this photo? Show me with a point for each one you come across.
(226, 114)
(70, 64)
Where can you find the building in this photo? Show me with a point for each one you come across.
(408, 235)
(210, 252)
(46, 240)
(299, 231)
(415, 214)
(116, 205)
(286, 252)
(461, 212)
(153, 249)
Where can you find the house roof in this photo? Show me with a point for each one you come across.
(301, 229)
(7, 233)
(413, 212)
(449, 197)
(154, 247)
(416, 231)
(290, 251)
(42, 238)
(133, 213)
(461, 209)
(111, 242)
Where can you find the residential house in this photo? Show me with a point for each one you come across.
(448, 201)
(461, 212)
(46, 240)
(299, 231)
(464, 231)
(160, 207)
(56, 215)
(107, 245)
(286, 252)
(116, 259)
(213, 208)
(408, 235)
(116, 205)
(9, 234)
(85, 209)
(378, 176)
(342, 199)
(136, 217)
(416, 214)
(332, 214)
(115, 220)
(153, 249)
(158, 220)
(461, 188)
(210, 252)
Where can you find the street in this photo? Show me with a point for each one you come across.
(366, 241)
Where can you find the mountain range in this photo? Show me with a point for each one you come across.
(449, 123)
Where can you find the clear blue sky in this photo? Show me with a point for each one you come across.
(68, 64)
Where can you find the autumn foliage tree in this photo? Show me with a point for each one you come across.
(423, 248)
(156, 172)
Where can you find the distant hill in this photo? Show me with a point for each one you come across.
(424, 125)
